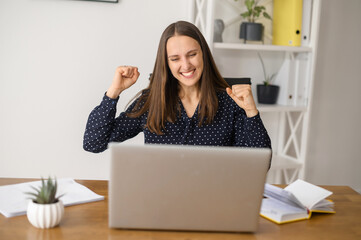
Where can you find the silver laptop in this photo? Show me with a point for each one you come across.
(168, 187)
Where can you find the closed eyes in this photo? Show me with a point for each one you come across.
(174, 59)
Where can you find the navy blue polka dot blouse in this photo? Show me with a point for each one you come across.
(231, 127)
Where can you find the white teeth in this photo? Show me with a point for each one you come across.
(187, 74)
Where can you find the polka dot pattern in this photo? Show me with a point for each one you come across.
(230, 127)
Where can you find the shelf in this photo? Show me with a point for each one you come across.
(279, 162)
(280, 108)
(289, 122)
(260, 47)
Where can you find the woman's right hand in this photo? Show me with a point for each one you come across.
(124, 77)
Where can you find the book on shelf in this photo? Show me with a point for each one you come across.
(295, 202)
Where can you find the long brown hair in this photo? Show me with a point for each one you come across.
(160, 98)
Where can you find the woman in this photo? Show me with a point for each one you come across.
(187, 101)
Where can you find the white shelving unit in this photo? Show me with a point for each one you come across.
(289, 118)
(253, 47)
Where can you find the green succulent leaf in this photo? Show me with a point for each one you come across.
(36, 189)
(32, 194)
(46, 193)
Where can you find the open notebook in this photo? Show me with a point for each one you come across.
(14, 201)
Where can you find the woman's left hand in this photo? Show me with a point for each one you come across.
(242, 95)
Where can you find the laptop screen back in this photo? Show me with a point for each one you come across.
(172, 187)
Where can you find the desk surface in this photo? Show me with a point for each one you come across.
(90, 221)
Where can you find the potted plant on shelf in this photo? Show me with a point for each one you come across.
(267, 93)
(45, 210)
(250, 30)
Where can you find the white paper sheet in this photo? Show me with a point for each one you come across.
(308, 194)
(14, 201)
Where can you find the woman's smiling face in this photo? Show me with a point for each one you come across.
(185, 60)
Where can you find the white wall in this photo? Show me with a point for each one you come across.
(334, 146)
(57, 58)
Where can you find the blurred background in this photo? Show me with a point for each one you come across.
(58, 57)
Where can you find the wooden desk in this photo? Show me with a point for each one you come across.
(90, 221)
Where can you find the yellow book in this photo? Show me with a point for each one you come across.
(296, 202)
(287, 22)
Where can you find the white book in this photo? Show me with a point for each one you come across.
(295, 202)
(14, 200)
(306, 22)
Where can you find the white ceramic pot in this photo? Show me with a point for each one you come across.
(45, 215)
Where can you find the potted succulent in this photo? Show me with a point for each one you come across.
(45, 210)
(267, 93)
(250, 30)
